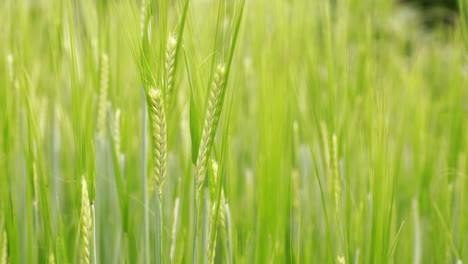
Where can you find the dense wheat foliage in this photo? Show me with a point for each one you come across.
(232, 131)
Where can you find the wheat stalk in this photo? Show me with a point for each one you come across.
(222, 212)
(212, 232)
(174, 229)
(36, 192)
(336, 175)
(86, 223)
(51, 258)
(159, 135)
(209, 126)
(4, 248)
(104, 86)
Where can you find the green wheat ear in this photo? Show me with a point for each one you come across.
(104, 86)
(213, 111)
(159, 135)
(85, 224)
(143, 18)
(170, 59)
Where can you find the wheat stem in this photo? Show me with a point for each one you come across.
(336, 175)
(4, 248)
(51, 258)
(212, 233)
(174, 229)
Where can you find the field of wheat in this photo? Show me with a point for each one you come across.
(233, 131)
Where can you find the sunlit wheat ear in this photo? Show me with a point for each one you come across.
(4, 248)
(212, 114)
(336, 175)
(174, 229)
(86, 223)
(104, 86)
(159, 135)
(116, 132)
(170, 59)
(143, 17)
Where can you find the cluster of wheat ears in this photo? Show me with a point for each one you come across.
(158, 100)
(232, 131)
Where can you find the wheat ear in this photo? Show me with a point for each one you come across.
(143, 18)
(212, 114)
(170, 59)
(116, 132)
(85, 223)
(159, 135)
(104, 86)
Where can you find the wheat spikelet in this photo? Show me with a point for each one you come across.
(159, 135)
(170, 59)
(209, 126)
(104, 85)
(85, 224)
